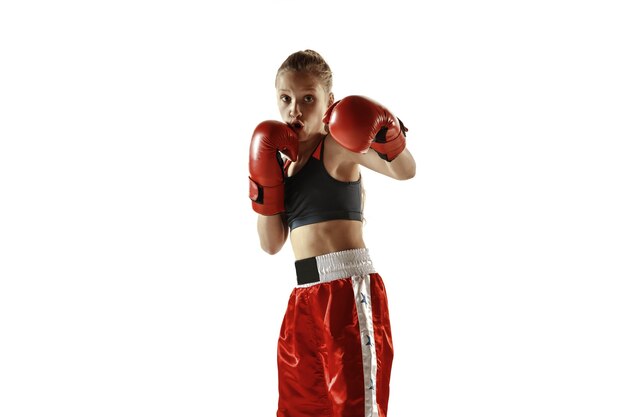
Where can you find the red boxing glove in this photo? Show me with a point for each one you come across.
(267, 185)
(359, 123)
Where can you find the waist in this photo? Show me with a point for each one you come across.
(332, 266)
(326, 237)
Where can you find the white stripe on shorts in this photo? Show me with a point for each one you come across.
(363, 301)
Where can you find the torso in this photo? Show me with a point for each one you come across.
(326, 237)
(333, 235)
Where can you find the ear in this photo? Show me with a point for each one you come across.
(331, 99)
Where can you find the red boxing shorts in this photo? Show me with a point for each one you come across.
(335, 349)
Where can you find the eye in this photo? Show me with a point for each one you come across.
(309, 99)
(285, 99)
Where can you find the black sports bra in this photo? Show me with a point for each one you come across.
(313, 196)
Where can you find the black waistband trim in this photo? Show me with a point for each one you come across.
(306, 271)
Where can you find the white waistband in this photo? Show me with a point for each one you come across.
(343, 264)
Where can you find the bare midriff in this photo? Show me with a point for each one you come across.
(326, 237)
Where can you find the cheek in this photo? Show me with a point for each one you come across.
(284, 112)
(317, 112)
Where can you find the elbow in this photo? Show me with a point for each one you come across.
(271, 248)
(406, 174)
(405, 167)
(272, 233)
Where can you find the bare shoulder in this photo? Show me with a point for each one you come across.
(339, 152)
(340, 163)
(403, 167)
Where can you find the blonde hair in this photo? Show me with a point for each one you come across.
(311, 62)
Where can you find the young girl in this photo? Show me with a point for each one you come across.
(335, 348)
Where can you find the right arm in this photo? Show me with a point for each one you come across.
(267, 181)
(273, 232)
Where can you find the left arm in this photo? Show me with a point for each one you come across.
(370, 135)
(401, 168)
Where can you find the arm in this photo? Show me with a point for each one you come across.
(267, 182)
(273, 232)
(370, 135)
(401, 168)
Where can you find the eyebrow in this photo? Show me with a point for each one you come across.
(307, 89)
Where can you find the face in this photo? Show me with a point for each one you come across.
(302, 102)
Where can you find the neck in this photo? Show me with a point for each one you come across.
(307, 145)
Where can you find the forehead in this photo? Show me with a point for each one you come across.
(298, 81)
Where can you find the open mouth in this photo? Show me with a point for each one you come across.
(296, 125)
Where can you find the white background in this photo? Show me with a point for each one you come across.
(132, 283)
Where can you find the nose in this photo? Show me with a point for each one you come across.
(294, 110)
